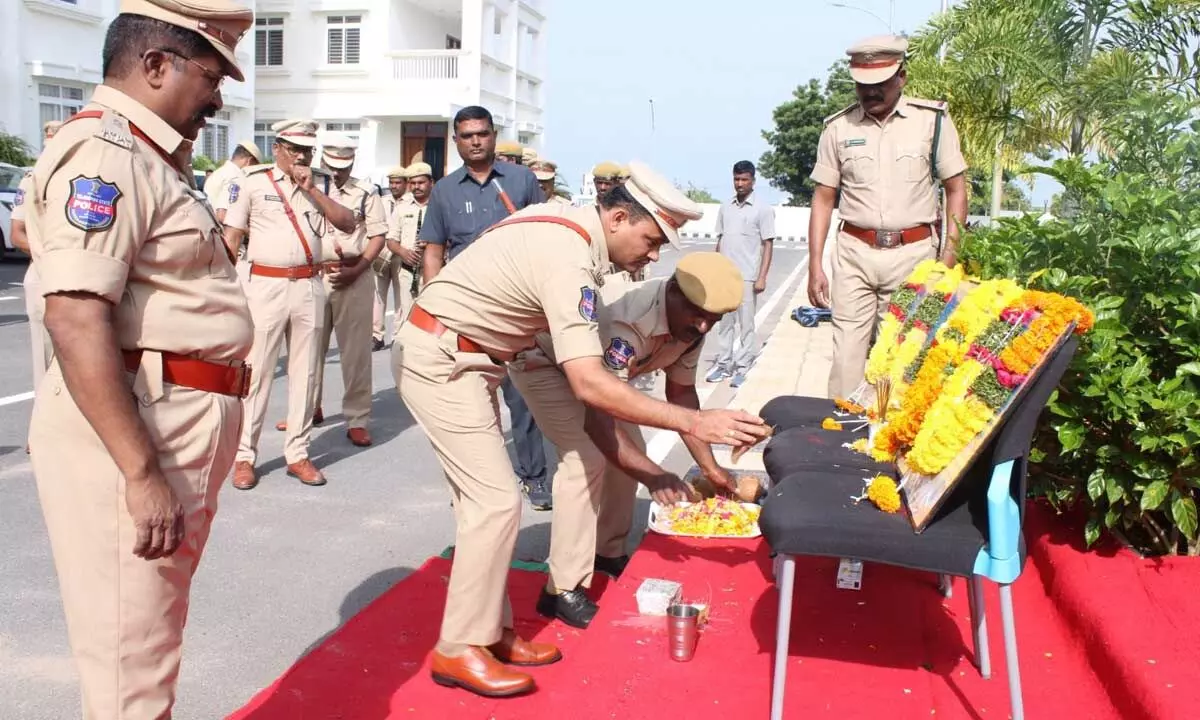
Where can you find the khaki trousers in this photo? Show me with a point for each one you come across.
(297, 308)
(347, 313)
(399, 280)
(864, 279)
(125, 615)
(39, 340)
(452, 395)
(578, 479)
(618, 503)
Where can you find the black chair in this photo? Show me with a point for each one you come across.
(976, 533)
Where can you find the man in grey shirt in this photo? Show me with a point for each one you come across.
(745, 230)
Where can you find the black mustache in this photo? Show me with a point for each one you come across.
(206, 113)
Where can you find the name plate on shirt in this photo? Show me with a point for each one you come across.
(855, 142)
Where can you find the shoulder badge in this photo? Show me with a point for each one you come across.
(618, 353)
(587, 303)
(935, 105)
(840, 113)
(234, 191)
(115, 129)
(92, 204)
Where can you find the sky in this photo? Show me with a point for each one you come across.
(714, 70)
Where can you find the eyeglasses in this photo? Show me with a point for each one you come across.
(215, 80)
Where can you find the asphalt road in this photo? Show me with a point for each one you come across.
(285, 564)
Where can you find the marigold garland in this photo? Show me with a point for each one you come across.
(884, 494)
(880, 357)
(830, 424)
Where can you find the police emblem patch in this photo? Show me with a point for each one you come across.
(618, 353)
(92, 204)
(587, 303)
(233, 192)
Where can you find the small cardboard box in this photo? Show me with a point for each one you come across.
(655, 596)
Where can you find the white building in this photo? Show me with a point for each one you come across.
(393, 73)
(50, 59)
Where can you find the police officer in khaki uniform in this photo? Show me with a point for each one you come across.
(244, 155)
(403, 242)
(398, 195)
(605, 176)
(534, 272)
(286, 212)
(546, 173)
(35, 304)
(623, 175)
(529, 156)
(509, 151)
(349, 286)
(136, 420)
(655, 325)
(885, 154)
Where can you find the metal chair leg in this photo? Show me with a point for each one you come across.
(946, 585)
(983, 659)
(1010, 652)
(783, 628)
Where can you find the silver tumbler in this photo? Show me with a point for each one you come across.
(683, 627)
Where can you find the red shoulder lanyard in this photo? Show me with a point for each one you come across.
(287, 208)
(96, 114)
(554, 219)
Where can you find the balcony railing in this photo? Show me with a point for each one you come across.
(425, 64)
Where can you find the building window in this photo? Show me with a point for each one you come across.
(264, 138)
(213, 142)
(453, 43)
(343, 34)
(351, 130)
(58, 102)
(268, 42)
(526, 139)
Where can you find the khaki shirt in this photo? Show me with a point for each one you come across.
(24, 188)
(214, 187)
(517, 281)
(883, 168)
(635, 335)
(369, 219)
(391, 204)
(111, 217)
(406, 223)
(256, 206)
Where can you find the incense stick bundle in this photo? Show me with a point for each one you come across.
(883, 397)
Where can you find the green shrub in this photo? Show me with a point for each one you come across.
(1124, 426)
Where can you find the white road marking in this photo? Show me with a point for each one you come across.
(9, 297)
(661, 445)
(14, 399)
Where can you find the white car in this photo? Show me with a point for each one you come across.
(10, 177)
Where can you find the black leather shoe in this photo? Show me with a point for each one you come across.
(573, 607)
(611, 566)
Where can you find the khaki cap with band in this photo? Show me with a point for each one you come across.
(665, 202)
(251, 147)
(509, 148)
(606, 170)
(296, 132)
(877, 58)
(544, 170)
(417, 170)
(337, 150)
(221, 22)
(710, 281)
(398, 172)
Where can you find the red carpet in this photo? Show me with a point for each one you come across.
(894, 649)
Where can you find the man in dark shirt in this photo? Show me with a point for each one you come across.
(463, 204)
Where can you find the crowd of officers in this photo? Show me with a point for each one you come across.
(161, 353)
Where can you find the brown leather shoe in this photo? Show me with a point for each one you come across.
(244, 477)
(306, 472)
(477, 671)
(318, 418)
(513, 650)
(359, 437)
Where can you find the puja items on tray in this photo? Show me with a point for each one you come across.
(713, 517)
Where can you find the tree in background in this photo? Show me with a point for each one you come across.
(15, 151)
(698, 194)
(798, 125)
(979, 193)
(203, 163)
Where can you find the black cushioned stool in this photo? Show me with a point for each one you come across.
(976, 533)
